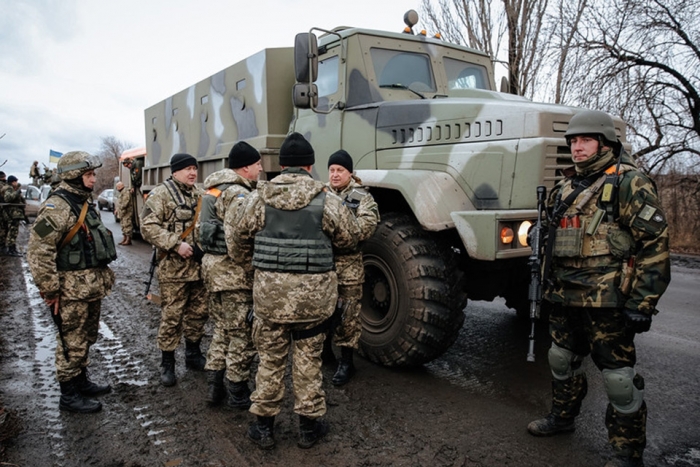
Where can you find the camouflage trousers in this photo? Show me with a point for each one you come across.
(274, 341)
(126, 218)
(183, 312)
(3, 228)
(600, 332)
(347, 334)
(11, 232)
(81, 322)
(231, 345)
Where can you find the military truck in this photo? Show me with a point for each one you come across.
(452, 163)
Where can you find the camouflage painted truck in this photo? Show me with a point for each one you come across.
(452, 163)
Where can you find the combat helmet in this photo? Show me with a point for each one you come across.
(592, 122)
(75, 163)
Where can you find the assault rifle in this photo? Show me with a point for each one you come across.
(151, 272)
(534, 295)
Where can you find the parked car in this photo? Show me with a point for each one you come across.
(34, 197)
(106, 200)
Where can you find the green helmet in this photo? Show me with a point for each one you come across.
(75, 163)
(592, 122)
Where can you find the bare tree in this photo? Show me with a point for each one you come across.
(484, 25)
(110, 150)
(643, 63)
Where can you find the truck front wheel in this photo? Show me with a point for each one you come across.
(413, 295)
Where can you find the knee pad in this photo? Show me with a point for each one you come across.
(625, 389)
(563, 363)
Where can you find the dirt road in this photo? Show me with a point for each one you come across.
(467, 408)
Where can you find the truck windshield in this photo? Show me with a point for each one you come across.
(465, 75)
(399, 69)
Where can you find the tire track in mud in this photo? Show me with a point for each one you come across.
(43, 369)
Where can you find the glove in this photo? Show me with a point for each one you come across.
(637, 322)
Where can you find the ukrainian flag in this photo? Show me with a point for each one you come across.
(54, 156)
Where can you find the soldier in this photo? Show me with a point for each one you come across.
(125, 213)
(3, 221)
(34, 173)
(69, 250)
(348, 262)
(609, 267)
(14, 213)
(168, 223)
(292, 223)
(230, 284)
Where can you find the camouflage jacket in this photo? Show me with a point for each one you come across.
(12, 196)
(348, 262)
(284, 297)
(625, 263)
(54, 221)
(163, 221)
(220, 272)
(136, 173)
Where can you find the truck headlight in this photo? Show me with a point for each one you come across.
(507, 235)
(522, 232)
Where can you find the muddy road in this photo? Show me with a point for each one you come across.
(468, 408)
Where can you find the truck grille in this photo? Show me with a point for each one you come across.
(557, 159)
(444, 132)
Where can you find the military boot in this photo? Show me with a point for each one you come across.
(238, 395)
(126, 240)
(87, 387)
(346, 368)
(3, 251)
(310, 431)
(167, 369)
(194, 360)
(72, 401)
(551, 425)
(261, 432)
(624, 461)
(12, 251)
(215, 388)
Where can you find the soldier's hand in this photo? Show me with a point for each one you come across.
(185, 250)
(636, 321)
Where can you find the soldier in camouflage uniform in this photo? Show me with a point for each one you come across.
(125, 213)
(292, 224)
(68, 256)
(609, 267)
(230, 284)
(14, 213)
(3, 222)
(167, 222)
(348, 262)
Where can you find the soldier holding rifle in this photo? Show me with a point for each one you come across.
(606, 266)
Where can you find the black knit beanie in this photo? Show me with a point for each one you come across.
(296, 152)
(242, 154)
(181, 161)
(11, 179)
(342, 158)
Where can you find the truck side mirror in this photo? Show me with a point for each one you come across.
(305, 57)
(305, 96)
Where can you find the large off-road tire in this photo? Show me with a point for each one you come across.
(413, 296)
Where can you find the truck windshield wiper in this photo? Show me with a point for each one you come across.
(401, 86)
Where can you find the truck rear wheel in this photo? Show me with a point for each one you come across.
(413, 295)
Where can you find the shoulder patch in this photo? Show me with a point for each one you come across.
(647, 212)
(49, 206)
(45, 227)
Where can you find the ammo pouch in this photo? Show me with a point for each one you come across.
(567, 242)
(103, 241)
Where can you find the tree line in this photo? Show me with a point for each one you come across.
(636, 59)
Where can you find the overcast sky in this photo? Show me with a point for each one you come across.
(74, 71)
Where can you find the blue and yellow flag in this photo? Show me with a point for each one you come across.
(54, 156)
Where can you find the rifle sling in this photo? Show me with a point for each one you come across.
(76, 227)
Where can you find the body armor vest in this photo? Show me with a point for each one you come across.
(588, 228)
(92, 246)
(211, 229)
(294, 241)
